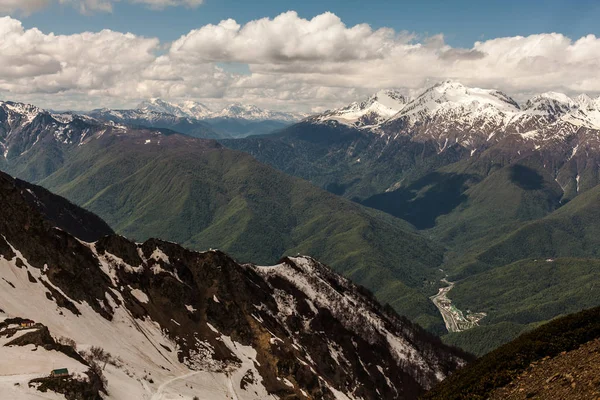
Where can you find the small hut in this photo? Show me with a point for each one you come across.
(57, 373)
(27, 323)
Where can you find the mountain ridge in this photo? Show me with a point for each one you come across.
(148, 182)
(196, 110)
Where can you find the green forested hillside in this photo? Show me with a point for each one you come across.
(204, 196)
(524, 294)
(545, 268)
(351, 163)
(571, 231)
(495, 211)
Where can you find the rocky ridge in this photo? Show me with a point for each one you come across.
(187, 322)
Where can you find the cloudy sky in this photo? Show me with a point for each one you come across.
(289, 55)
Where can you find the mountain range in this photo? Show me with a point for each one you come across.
(125, 320)
(192, 109)
(197, 120)
(445, 119)
(155, 183)
(461, 184)
(468, 212)
(499, 184)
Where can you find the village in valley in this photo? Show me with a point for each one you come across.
(455, 319)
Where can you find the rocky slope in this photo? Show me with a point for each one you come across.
(558, 360)
(62, 213)
(570, 375)
(172, 322)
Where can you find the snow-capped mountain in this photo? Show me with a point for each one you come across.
(155, 321)
(552, 104)
(199, 111)
(188, 108)
(17, 114)
(446, 123)
(371, 112)
(253, 113)
(23, 126)
(450, 113)
(155, 119)
(452, 98)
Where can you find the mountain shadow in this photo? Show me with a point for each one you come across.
(526, 178)
(424, 200)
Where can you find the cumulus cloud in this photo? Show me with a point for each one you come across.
(293, 62)
(284, 39)
(31, 61)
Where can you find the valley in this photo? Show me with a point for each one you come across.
(493, 181)
(454, 318)
(398, 199)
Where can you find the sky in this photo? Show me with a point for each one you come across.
(289, 55)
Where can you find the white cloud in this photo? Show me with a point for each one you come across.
(27, 7)
(293, 62)
(31, 61)
(284, 39)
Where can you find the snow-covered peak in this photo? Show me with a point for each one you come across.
(587, 103)
(589, 111)
(254, 113)
(391, 99)
(238, 110)
(551, 103)
(372, 111)
(20, 112)
(196, 110)
(449, 95)
(187, 108)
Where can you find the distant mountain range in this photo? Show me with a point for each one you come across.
(450, 102)
(197, 120)
(192, 109)
(447, 121)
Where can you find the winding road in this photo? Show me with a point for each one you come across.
(442, 297)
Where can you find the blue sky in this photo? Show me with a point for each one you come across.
(462, 22)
